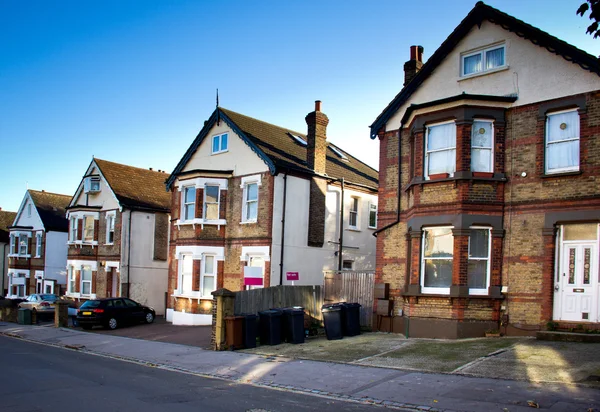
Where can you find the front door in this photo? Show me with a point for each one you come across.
(578, 283)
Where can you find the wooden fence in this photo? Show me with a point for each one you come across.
(349, 286)
(256, 300)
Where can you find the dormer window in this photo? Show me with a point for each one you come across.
(298, 139)
(483, 60)
(91, 184)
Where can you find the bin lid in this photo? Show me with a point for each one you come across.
(233, 317)
(331, 308)
(352, 305)
(270, 312)
(294, 310)
(248, 315)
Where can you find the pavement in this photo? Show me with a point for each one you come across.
(390, 388)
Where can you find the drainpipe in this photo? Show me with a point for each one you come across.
(341, 245)
(129, 253)
(283, 228)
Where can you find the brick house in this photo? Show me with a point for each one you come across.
(118, 234)
(254, 204)
(495, 223)
(38, 245)
(6, 220)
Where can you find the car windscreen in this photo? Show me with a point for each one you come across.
(91, 304)
(49, 298)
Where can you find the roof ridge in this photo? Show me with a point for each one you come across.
(355, 158)
(133, 167)
(45, 192)
(262, 121)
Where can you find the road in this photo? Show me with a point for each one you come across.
(37, 377)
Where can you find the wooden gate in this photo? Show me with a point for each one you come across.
(350, 286)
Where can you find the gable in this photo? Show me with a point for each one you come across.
(26, 219)
(105, 198)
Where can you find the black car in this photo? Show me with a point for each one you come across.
(113, 312)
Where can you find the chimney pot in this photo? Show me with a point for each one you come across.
(317, 105)
(149, 168)
(412, 67)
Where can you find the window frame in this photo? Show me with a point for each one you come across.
(476, 291)
(71, 279)
(38, 244)
(205, 202)
(26, 245)
(483, 53)
(73, 229)
(354, 202)
(13, 244)
(427, 152)
(181, 274)
(88, 230)
(372, 209)
(110, 228)
(429, 289)
(570, 169)
(29, 210)
(348, 261)
(184, 204)
(246, 192)
(84, 281)
(491, 148)
(204, 274)
(220, 143)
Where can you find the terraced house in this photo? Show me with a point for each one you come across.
(256, 205)
(6, 220)
(118, 234)
(38, 245)
(489, 206)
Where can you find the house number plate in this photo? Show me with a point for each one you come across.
(578, 290)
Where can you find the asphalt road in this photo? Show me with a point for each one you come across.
(37, 377)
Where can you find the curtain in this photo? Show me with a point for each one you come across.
(494, 58)
(472, 64)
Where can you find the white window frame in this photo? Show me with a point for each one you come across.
(372, 209)
(547, 144)
(218, 203)
(180, 274)
(354, 202)
(184, 204)
(426, 289)
(83, 281)
(204, 274)
(26, 246)
(491, 149)
(483, 53)
(220, 148)
(427, 152)
(73, 229)
(246, 202)
(85, 238)
(474, 291)
(110, 227)
(71, 279)
(38, 244)
(91, 184)
(13, 244)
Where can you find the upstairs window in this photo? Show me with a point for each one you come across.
(483, 60)
(211, 202)
(482, 154)
(88, 228)
(250, 202)
(478, 269)
(110, 228)
(372, 216)
(29, 210)
(73, 229)
(91, 184)
(353, 217)
(38, 244)
(562, 142)
(437, 256)
(13, 244)
(440, 152)
(189, 203)
(23, 244)
(219, 143)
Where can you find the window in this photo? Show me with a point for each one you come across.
(189, 203)
(482, 140)
(208, 279)
(298, 139)
(483, 60)
(440, 154)
(257, 262)
(478, 271)
(88, 228)
(347, 265)
(339, 153)
(186, 266)
(250, 202)
(73, 231)
(29, 210)
(13, 244)
(562, 142)
(91, 184)
(211, 203)
(23, 244)
(436, 265)
(130, 303)
(38, 244)
(219, 143)
(110, 228)
(71, 285)
(372, 215)
(86, 280)
(353, 218)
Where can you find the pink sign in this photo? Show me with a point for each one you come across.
(292, 275)
(253, 281)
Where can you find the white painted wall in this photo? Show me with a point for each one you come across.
(240, 158)
(310, 262)
(24, 219)
(533, 73)
(104, 197)
(56, 257)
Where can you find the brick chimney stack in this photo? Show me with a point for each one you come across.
(316, 139)
(412, 67)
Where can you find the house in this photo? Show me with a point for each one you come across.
(6, 220)
(118, 234)
(257, 205)
(38, 245)
(495, 221)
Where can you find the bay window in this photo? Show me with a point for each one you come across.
(73, 229)
(482, 138)
(71, 275)
(211, 203)
(88, 228)
(86, 280)
(562, 142)
(436, 260)
(13, 244)
(440, 149)
(189, 203)
(208, 279)
(23, 244)
(186, 266)
(478, 268)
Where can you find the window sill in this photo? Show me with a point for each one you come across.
(201, 222)
(249, 222)
(83, 243)
(191, 296)
(219, 152)
(473, 176)
(372, 227)
(353, 229)
(109, 244)
(561, 174)
(16, 255)
(485, 73)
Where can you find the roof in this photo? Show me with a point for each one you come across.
(134, 187)
(6, 220)
(281, 151)
(51, 208)
(476, 16)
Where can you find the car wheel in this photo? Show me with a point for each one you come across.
(112, 324)
(149, 317)
(86, 327)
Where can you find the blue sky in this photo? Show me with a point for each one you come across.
(133, 81)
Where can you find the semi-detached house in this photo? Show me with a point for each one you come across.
(257, 205)
(6, 220)
(489, 204)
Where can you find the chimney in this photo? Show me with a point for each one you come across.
(149, 168)
(316, 139)
(412, 67)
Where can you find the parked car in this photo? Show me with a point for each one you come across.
(40, 303)
(113, 312)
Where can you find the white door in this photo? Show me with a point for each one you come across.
(578, 285)
(114, 282)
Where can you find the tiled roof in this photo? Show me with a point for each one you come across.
(286, 152)
(52, 209)
(134, 187)
(6, 220)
